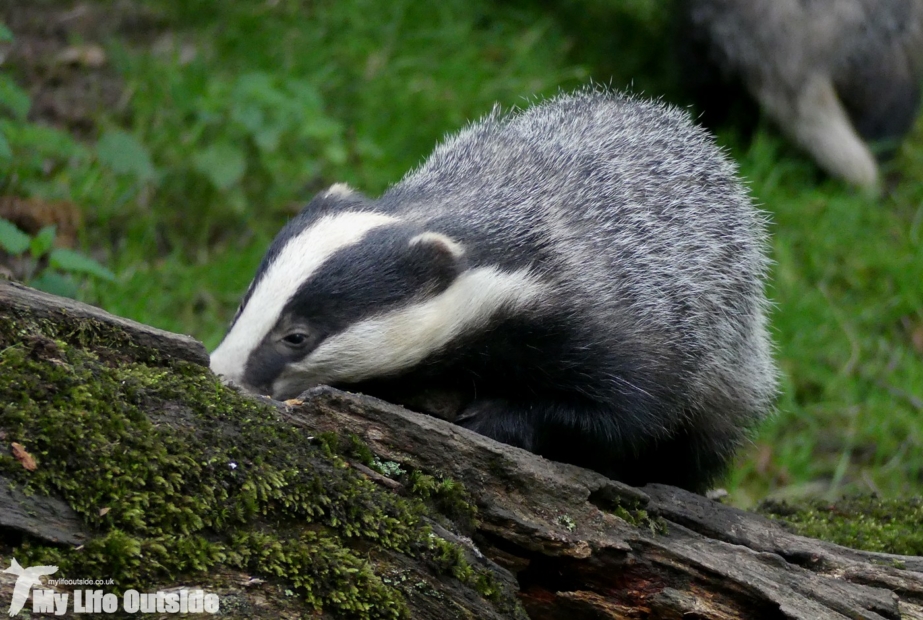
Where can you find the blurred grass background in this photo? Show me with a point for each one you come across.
(219, 118)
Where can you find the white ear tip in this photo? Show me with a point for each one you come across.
(455, 249)
(338, 189)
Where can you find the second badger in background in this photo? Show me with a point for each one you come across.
(835, 75)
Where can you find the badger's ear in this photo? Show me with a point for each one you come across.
(337, 197)
(439, 252)
(338, 190)
(438, 243)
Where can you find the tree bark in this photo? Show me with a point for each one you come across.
(566, 542)
(17, 299)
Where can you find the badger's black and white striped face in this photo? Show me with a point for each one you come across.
(347, 295)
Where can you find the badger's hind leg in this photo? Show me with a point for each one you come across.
(815, 118)
(691, 458)
(502, 420)
(627, 448)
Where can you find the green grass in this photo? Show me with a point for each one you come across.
(282, 98)
(848, 289)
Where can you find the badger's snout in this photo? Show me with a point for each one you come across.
(224, 366)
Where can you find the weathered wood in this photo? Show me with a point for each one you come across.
(760, 534)
(556, 525)
(45, 518)
(18, 298)
(571, 542)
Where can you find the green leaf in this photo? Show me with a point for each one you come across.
(336, 153)
(13, 98)
(42, 242)
(124, 154)
(42, 141)
(5, 151)
(12, 240)
(320, 127)
(222, 163)
(6, 35)
(268, 139)
(55, 283)
(75, 262)
(250, 117)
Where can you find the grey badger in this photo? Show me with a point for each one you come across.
(584, 277)
(833, 74)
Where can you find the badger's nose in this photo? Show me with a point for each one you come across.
(261, 390)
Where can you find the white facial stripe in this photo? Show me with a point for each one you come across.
(400, 339)
(302, 256)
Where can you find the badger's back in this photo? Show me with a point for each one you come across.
(624, 204)
(639, 225)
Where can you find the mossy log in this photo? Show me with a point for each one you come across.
(132, 462)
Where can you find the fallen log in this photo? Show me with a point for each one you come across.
(392, 513)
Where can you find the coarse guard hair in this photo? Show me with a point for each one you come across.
(583, 279)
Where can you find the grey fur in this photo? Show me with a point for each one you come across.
(647, 351)
(832, 73)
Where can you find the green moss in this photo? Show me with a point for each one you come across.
(349, 446)
(444, 495)
(220, 481)
(450, 558)
(630, 511)
(861, 522)
(447, 496)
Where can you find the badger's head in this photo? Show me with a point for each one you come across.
(345, 294)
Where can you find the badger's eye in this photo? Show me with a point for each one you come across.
(296, 340)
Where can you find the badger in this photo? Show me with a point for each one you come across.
(840, 77)
(582, 279)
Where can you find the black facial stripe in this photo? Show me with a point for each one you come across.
(320, 206)
(264, 366)
(382, 272)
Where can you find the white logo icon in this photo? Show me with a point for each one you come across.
(25, 579)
